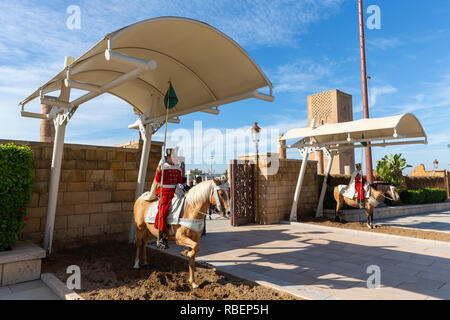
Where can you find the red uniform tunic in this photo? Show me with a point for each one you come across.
(172, 176)
(359, 186)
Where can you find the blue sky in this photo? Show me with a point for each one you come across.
(304, 47)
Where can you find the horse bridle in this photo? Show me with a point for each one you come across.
(216, 196)
(391, 188)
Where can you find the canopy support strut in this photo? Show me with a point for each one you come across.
(319, 210)
(147, 131)
(60, 123)
(305, 154)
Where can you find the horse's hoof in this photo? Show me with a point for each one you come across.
(368, 226)
(136, 265)
(194, 286)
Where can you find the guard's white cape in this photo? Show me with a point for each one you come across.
(350, 190)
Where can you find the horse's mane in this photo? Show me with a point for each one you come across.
(380, 186)
(199, 193)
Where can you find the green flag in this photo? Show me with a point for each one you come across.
(170, 99)
(363, 143)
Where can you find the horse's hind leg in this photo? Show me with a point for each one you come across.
(144, 247)
(139, 238)
(339, 204)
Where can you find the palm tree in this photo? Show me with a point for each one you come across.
(390, 169)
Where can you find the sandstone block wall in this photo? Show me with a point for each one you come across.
(276, 191)
(96, 192)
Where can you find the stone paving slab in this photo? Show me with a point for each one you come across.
(30, 290)
(435, 221)
(317, 262)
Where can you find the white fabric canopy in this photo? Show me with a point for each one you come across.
(400, 126)
(203, 64)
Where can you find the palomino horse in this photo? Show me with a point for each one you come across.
(197, 202)
(377, 195)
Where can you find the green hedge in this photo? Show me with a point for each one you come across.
(16, 185)
(420, 196)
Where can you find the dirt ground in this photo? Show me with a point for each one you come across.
(107, 274)
(406, 232)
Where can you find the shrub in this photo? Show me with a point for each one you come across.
(390, 168)
(16, 183)
(420, 196)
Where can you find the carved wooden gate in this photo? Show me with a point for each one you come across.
(242, 185)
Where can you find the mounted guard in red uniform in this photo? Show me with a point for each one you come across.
(167, 177)
(358, 187)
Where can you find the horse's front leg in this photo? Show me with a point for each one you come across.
(369, 216)
(188, 242)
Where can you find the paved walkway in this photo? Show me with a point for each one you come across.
(319, 262)
(30, 290)
(436, 221)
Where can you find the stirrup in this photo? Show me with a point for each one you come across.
(162, 243)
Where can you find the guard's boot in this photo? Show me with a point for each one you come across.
(162, 243)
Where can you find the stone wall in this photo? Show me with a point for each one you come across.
(276, 191)
(96, 192)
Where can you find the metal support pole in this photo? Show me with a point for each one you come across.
(368, 150)
(55, 172)
(298, 188)
(146, 134)
(319, 210)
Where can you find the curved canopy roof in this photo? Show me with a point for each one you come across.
(396, 127)
(203, 64)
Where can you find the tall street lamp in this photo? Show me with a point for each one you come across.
(256, 137)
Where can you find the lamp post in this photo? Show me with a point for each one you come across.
(436, 164)
(256, 137)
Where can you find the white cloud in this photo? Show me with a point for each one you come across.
(375, 92)
(300, 76)
(384, 43)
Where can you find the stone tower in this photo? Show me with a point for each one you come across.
(47, 129)
(332, 107)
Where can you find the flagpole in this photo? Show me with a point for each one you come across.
(164, 152)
